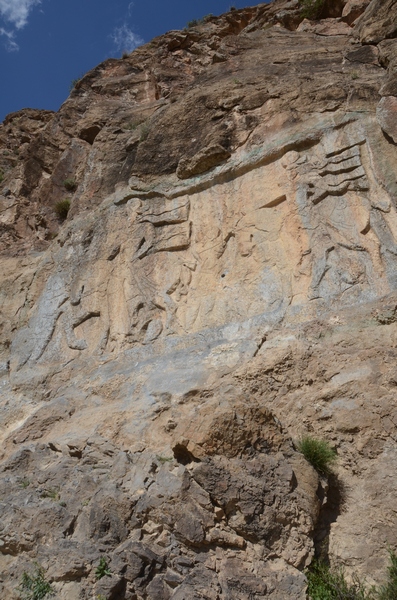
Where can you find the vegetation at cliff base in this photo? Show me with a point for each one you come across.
(324, 583)
(388, 591)
(318, 453)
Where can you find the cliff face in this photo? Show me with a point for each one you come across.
(224, 283)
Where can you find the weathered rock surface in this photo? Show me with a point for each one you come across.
(378, 22)
(225, 282)
(387, 116)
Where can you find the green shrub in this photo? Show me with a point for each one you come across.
(164, 459)
(51, 493)
(70, 185)
(144, 132)
(34, 586)
(318, 453)
(325, 584)
(195, 22)
(102, 569)
(62, 208)
(311, 9)
(1, 176)
(389, 590)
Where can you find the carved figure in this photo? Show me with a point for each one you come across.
(335, 203)
(162, 227)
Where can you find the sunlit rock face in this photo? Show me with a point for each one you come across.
(224, 283)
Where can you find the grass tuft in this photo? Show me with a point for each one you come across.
(144, 132)
(388, 591)
(318, 453)
(62, 208)
(324, 583)
(70, 185)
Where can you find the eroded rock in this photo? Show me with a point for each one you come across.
(386, 114)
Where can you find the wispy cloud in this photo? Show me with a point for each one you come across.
(125, 39)
(17, 11)
(10, 43)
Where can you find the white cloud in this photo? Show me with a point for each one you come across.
(17, 11)
(10, 45)
(125, 39)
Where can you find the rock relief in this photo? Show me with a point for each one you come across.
(311, 227)
(349, 219)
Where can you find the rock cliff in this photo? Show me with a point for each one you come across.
(224, 282)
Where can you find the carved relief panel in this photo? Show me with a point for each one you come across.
(310, 229)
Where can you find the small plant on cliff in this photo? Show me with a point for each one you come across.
(1, 176)
(102, 569)
(70, 184)
(51, 493)
(34, 586)
(164, 459)
(311, 9)
(318, 453)
(195, 22)
(74, 84)
(144, 132)
(62, 208)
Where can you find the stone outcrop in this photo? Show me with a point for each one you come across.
(378, 22)
(225, 282)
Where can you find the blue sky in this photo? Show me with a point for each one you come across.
(45, 44)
